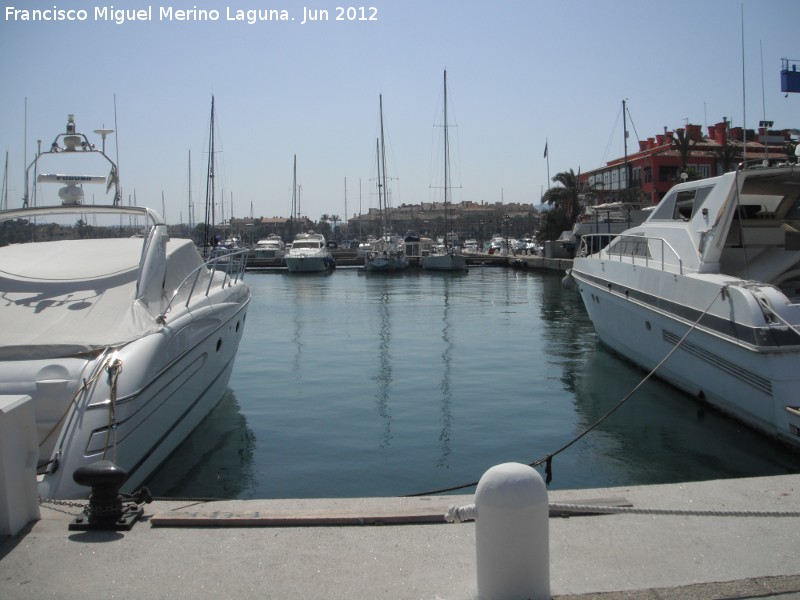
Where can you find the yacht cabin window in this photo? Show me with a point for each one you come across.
(681, 205)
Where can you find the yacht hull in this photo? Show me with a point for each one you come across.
(444, 262)
(161, 395)
(725, 360)
(307, 264)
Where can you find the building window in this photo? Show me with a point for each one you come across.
(648, 175)
(667, 173)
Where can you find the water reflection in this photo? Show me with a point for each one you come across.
(660, 435)
(447, 392)
(215, 461)
(384, 375)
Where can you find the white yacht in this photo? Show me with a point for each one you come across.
(123, 344)
(309, 254)
(707, 292)
(271, 247)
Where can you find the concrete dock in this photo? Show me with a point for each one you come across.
(167, 554)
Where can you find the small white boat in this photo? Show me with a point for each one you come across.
(271, 247)
(124, 344)
(309, 254)
(710, 285)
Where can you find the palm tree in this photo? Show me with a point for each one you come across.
(565, 197)
(566, 205)
(684, 144)
(726, 156)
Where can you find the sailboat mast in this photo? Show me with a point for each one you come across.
(4, 198)
(210, 216)
(190, 191)
(383, 166)
(294, 197)
(380, 198)
(625, 141)
(446, 166)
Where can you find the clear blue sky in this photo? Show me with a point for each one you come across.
(519, 73)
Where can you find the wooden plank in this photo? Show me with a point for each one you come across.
(338, 517)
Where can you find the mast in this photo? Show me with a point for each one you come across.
(294, 198)
(210, 217)
(446, 161)
(190, 190)
(383, 164)
(625, 141)
(4, 197)
(380, 198)
(345, 205)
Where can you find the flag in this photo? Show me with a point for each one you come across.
(545, 150)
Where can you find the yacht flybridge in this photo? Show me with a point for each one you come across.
(707, 292)
(123, 337)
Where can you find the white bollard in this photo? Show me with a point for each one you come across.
(512, 534)
(19, 450)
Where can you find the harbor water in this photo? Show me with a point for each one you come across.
(360, 384)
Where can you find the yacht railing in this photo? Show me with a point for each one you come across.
(232, 265)
(641, 241)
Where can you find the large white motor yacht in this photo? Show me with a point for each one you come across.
(707, 292)
(124, 344)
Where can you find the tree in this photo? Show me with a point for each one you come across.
(565, 202)
(564, 198)
(684, 144)
(725, 156)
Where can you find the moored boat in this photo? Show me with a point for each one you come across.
(448, 257)
(707, 292)
(387, 253)
(309, 254)
(125, 343)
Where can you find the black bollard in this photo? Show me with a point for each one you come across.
(106, 509)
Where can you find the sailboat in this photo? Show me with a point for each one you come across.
(449, 258)
(222, 253)
(309, 252)
(386, 253)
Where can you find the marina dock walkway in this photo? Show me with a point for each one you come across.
(616, 556)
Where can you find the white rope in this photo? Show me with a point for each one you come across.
(459, 514)
(673, 511)
(468, 512)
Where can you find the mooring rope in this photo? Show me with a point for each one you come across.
(469, 512)
(548, 460)
(84, 386)
(114, 369)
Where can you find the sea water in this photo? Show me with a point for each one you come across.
(371, 384)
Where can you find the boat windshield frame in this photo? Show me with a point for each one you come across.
(38, 211)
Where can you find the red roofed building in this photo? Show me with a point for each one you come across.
(648, 174)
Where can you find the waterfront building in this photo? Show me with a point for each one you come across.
(663, 160)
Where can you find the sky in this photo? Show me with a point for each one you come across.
(521, 74)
